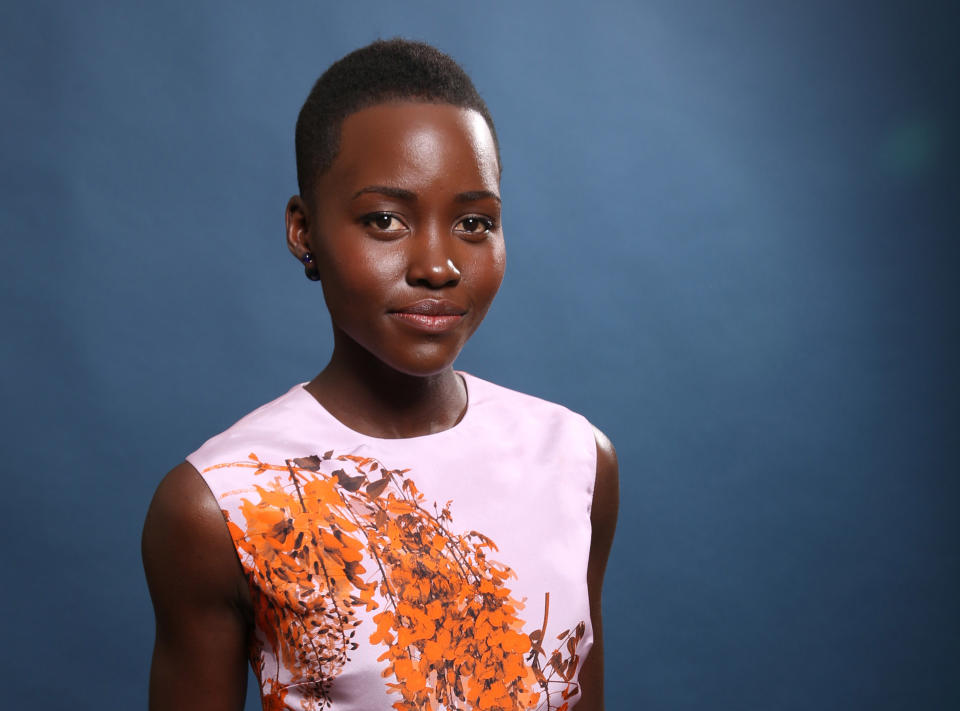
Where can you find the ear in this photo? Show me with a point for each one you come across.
(298, 227)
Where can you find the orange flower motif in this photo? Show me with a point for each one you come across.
(323, 543)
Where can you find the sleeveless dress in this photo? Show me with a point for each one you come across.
(441, 572)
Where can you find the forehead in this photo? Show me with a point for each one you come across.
(415, 145)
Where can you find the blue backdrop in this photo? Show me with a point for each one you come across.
(731, 245)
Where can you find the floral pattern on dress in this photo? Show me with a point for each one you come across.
(329, 536)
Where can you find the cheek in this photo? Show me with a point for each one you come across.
(495, 267)
(488, 271)
(355, 277)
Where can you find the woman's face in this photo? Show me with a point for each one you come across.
(405, 231)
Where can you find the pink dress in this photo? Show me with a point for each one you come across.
(442, 572)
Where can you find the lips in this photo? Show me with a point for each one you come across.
(430, 315)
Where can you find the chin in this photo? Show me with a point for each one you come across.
(423, 358)
(423, 367)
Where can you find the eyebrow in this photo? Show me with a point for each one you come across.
(398, 193)
(410, 196)
(474, 195)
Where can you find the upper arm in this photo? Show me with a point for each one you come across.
(603, 521)
(198, 591)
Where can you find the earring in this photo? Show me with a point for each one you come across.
(308, 269)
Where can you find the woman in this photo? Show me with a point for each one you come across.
(394, 533)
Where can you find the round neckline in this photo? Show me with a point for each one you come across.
(468, 385)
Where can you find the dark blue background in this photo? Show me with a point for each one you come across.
(731, 245)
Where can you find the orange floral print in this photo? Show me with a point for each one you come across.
(324, 543)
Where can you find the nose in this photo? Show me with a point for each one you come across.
(431, 261)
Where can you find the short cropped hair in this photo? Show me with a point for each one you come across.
(382, 72)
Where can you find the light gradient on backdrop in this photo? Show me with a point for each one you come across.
(730, 245)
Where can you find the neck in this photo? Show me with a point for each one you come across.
(369, 396)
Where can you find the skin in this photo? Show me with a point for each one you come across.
(409, 210)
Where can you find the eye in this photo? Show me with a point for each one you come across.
(475, 225)
(384, 222)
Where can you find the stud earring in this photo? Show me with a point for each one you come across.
(308, 269)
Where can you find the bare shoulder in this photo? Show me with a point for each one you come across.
(185, 543)
(606, 494)
(183, 496)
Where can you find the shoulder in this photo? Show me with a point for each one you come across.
(606, 497)
(603, 514)
(483, 393)
(548, 430)
(558, 428)
(510, 406)
(182, 501)
(185, 543)
(270, 421)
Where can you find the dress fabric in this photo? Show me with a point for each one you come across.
(440, 572)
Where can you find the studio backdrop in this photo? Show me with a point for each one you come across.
(731, 245)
